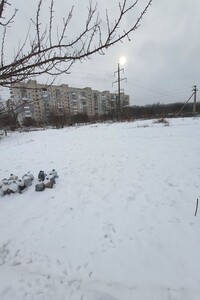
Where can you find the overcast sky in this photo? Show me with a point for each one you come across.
(162, 57)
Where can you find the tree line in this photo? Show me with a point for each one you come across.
(158, 110)
(8, 119)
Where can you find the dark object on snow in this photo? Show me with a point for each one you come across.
(13, 177)
(54, 173)
(1, 192)
(27, 178)
(30, 175)
(39, 187)
(197, 204)
(9, 186)
(52, 178)
(41, 175)
(5, 188)
(21, 185)
(48, 183)
(2, 182)
(13, 186)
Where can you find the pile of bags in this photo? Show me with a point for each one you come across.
(14, 184)
(46, 180)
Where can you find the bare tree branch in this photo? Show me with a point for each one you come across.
(2, 47)
(3, 4)
(45, 56)
(50, 23)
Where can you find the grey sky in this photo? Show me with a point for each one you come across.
(162, 56)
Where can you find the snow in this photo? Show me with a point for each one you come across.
(118, 224)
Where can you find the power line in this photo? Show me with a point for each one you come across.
(195, 99)
(194, 90)
(118, 81)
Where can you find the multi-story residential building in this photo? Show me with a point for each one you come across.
(1, 106)
(38, 101)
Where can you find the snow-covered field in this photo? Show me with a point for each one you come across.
(118, 225)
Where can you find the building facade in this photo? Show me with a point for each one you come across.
(39, 101)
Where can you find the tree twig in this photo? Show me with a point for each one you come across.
(197, 204)
(46, 56)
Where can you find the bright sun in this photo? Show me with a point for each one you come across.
(122, 60)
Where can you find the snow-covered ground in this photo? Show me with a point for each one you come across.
(118, 225)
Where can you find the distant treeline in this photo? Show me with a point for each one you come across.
(159, 110)
(128, 113)
(9, 121)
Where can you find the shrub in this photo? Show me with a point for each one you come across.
(162, 121)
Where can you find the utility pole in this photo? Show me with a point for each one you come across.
(195, 99)
(118, 81)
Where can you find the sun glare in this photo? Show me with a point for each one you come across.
(122, 60)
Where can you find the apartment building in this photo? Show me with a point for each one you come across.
(1, 106)
(38, 101)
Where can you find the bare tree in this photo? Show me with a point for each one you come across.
(42, 53)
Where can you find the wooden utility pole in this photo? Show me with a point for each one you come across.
(195, 99)
(194, 90)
